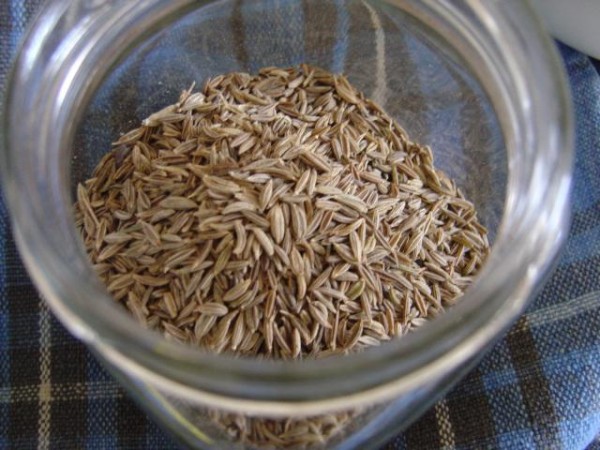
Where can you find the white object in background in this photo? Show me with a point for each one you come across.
(575, 22)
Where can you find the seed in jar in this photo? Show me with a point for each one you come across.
(288, 216)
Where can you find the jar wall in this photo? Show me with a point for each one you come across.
(442, 71)
(369, 426)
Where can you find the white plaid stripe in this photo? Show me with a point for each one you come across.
(45, 387)
(442, 415)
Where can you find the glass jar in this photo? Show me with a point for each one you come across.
(480, 82)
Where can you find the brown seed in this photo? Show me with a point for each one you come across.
(213, 309)
(237, 291)
(178, 203)
(277, 224)
(203, 325)
(266, 194)
(223, 259)
(238, 207)
(351, 201)
(151, 233)
(264, 241)
(117, 238)
(356, 246)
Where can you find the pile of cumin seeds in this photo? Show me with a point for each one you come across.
(279, 215)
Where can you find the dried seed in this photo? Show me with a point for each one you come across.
(298, 217)
(213, 309)
(266, 195)
(221, 185)
(117, 238)
(203, 325)
(356, 246)
(238, 207)
(277, 224)
(241, 240)
(151, 233)
(264, 241)
(351, 201)
(236, 291)
(178, 203)
(223, 259)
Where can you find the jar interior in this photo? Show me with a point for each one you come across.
(391, 51)
(394, 57)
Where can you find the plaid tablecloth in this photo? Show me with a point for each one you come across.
(539, 387)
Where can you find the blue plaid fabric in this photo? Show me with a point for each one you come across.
(538, 388)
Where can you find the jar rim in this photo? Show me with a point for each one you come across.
(486, 309)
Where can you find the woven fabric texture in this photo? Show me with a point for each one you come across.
(538, 388)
